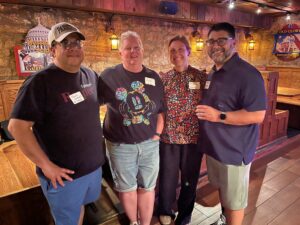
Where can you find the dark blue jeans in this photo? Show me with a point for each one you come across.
(175, 158)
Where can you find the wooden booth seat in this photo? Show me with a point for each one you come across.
(274, 126)
(289, 93)
(8, 92)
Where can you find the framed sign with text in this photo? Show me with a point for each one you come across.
(30, 62)
(287, 43)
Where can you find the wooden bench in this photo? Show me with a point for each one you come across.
(289, 93)
(274, 126)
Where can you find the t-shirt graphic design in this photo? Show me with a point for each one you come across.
(136, 107)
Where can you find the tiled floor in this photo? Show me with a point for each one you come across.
(274, 192)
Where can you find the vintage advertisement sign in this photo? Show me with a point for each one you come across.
(287, 43)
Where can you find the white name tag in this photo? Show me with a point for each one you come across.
(207, 84)
(76, 97)
(194, 85)
(149, 81)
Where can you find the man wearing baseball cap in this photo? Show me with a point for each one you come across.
(55, 121)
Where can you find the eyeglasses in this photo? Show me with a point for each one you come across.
(219, 41)
(132, 49)
(66, 44)
(180, 51)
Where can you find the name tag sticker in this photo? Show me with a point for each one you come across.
(207, 84)
(194, 85)
(150, 81)
(76, 97)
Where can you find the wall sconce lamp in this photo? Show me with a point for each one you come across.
(114, 39)
(199, 44)
(249, 37)
(199, 41)
(251, 44)
(114, 42)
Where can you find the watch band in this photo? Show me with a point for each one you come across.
(157, 134)
(222, 116)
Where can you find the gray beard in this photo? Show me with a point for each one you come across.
(221, 59)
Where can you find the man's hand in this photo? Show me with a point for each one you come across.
(156, 138)
(57, 174)
(205, 112)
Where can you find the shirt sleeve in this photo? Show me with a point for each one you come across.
(163, 105)
(30, 104)
(253, 92)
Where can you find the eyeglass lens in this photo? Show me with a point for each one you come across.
(72, 44)
(219, 41)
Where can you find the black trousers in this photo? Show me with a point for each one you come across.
(185, 158)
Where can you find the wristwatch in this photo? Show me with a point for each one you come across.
(157, 134)
(222, 116)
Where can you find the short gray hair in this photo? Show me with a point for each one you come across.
(129, 34)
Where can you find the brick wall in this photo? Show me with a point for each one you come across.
(17, 20)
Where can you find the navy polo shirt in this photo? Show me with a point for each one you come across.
(237, 85)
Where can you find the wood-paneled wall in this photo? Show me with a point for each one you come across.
(187, 10)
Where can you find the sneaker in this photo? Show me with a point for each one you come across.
(220, 221)
(165, 220)
(134, 223)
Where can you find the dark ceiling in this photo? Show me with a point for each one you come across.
(274, 7)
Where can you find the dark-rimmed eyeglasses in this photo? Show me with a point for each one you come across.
(66, 44)
(219, 41)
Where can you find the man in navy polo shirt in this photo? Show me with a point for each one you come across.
(233, 104)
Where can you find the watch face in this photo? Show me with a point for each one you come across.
(222, 116)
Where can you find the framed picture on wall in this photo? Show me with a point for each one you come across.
(30, 62)
(287, 43)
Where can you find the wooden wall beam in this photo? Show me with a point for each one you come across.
(188, 11)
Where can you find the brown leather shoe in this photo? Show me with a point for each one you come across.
(165, 220)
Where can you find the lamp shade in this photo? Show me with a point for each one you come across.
(114, 42)
(199, 44)
(251, 44)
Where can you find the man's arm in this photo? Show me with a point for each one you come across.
(239, 117)
(159, 125)
(22, 132)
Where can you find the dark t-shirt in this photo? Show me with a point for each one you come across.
(65, 111)
(237, 85)
(133, 102)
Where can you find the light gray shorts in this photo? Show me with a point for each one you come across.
(232, 181)
(134, 165)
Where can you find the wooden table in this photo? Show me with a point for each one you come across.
(289, 99)
(17, 171)
(289, 92)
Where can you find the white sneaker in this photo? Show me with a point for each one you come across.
(134, 223)
(165, 220)
(220, 221)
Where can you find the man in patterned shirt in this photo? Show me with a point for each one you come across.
(178, 146)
